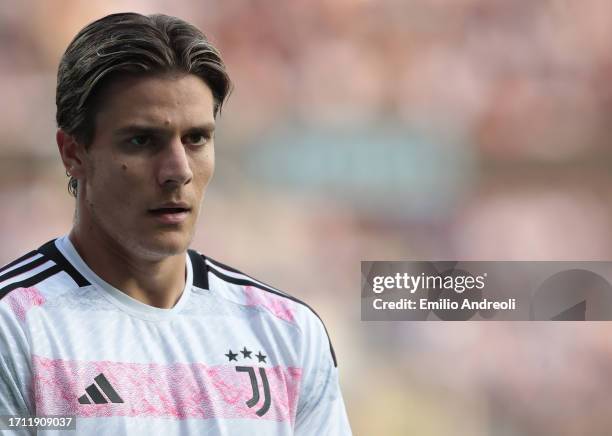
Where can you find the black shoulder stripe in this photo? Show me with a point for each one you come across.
(245, 282)
(221, 265)
(198, 265)
(51, 251)
(250, 279)
(23, 268)
(31, 281)
(16, 261)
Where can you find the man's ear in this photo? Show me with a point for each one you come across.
(72, 153)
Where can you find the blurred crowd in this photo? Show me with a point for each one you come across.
(379, 130)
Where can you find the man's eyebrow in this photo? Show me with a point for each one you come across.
(207, 127)
(156, 130)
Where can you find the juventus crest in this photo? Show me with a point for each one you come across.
(253, 372)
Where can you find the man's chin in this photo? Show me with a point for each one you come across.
(157, 249)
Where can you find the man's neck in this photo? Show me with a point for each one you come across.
(158, 283)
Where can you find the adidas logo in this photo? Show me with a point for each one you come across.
(94, 394)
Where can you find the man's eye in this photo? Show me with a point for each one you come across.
(196, 139)
(140, 140)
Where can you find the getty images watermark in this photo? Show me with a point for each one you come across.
(461, 291)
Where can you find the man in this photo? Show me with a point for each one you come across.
(118, 323)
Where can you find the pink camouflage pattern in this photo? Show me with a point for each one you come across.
(280, 307)
(177, 390)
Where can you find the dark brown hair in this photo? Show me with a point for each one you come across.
(128, 44)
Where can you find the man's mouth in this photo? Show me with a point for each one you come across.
(169, 210)
(171, 214)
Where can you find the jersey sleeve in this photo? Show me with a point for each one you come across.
(321, 409)
(15, 365)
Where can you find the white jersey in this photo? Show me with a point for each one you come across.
(232, 357)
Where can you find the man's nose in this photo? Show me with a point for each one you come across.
(174, 166)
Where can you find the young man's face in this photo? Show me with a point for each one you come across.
(149, 163)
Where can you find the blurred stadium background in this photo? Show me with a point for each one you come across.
(380, 130)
